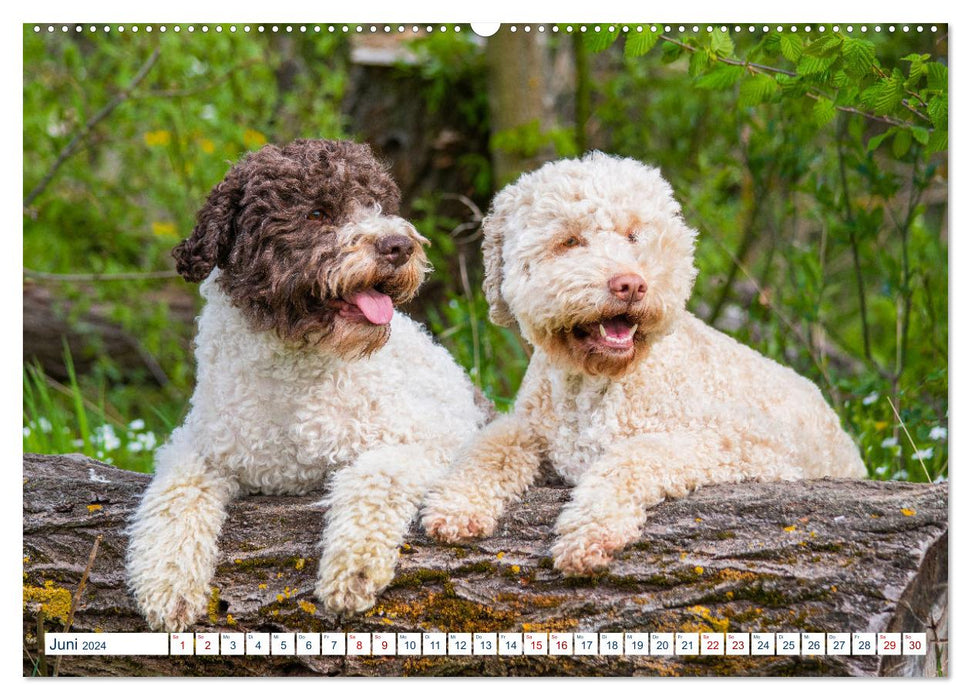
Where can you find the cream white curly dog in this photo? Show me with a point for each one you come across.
(304, 368)
(630, 397)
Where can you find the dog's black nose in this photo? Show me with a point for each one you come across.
(395, 249)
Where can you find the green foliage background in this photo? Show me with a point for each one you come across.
(814, 164)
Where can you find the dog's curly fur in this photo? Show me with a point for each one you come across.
(303, 371)
(630, 397)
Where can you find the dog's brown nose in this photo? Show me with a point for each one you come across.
(629, 288)
(395, 249)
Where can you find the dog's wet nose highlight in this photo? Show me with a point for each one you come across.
(395, 249)
(630, 288)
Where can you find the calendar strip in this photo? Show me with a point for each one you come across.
(488, 644)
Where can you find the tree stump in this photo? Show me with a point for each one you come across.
(810, 556)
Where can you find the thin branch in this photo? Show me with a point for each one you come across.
(910, 440)
(81, 135)
(759, 68)
(854, 248)
(100, 277)
(76, 600)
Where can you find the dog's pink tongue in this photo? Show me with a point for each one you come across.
(377, 307)
(617, 327)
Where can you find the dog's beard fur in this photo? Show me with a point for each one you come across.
(572, 342)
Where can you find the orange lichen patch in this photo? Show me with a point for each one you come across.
(715, 624)
(684, 555)
(907, 512)
(94, 507)
(735, 575)
(307, 606)
(698, 520)
(54, 602)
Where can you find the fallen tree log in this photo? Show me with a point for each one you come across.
(814, 556)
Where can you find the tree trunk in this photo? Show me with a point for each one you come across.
(813, 556)
(517, 101)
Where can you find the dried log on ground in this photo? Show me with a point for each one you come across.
(51, 320)
(806, 556)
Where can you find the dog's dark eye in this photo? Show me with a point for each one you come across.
(632, 237)
(318, 215)
(571, 242)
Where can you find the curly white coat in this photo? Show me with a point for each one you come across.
(266, 418)
(694, 407)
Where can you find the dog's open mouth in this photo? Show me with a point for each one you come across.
(366, 306)
(614, 335)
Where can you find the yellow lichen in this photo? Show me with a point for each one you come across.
(790, 528)
(230, 620)
(299, 564)
(699, 570)
(212, 607)
(94, 507)
(500, 555)
(514, 568)
(261, 586)
(307, 607)
(53, 601)
(908, 512)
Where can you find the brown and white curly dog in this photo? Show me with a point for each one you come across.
(304, 370)
(630, 397)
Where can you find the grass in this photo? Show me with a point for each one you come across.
(61, 418)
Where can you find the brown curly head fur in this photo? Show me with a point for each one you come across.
(296, 231)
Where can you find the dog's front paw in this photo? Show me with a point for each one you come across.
(456, 526)
(350, 584)
(583, 554)
(171, 608)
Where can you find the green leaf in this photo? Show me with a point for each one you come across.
(937, 76)
(791, 45)
(937, 111)
(826, 45)
(874, 143)
(824, 111)
(721, 43)
(698, 63)
(814, 65)
(670, 52)
(639, 43)
(937, 141)
(756, 89)
(885, 96)
(599, 41)
(720, 78)
(921, 135)
(901, 143)
(859, 55)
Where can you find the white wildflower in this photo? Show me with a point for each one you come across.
(900, 476)
(26, 431)
(888, 443)
(137, 424)
(938, 433)
(923, 454)
(104, 435)
(77, 443)
(45, 425)
(870, 398)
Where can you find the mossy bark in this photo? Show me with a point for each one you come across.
(814, 556)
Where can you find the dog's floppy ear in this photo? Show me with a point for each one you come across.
(212, 238)
(492, 237)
